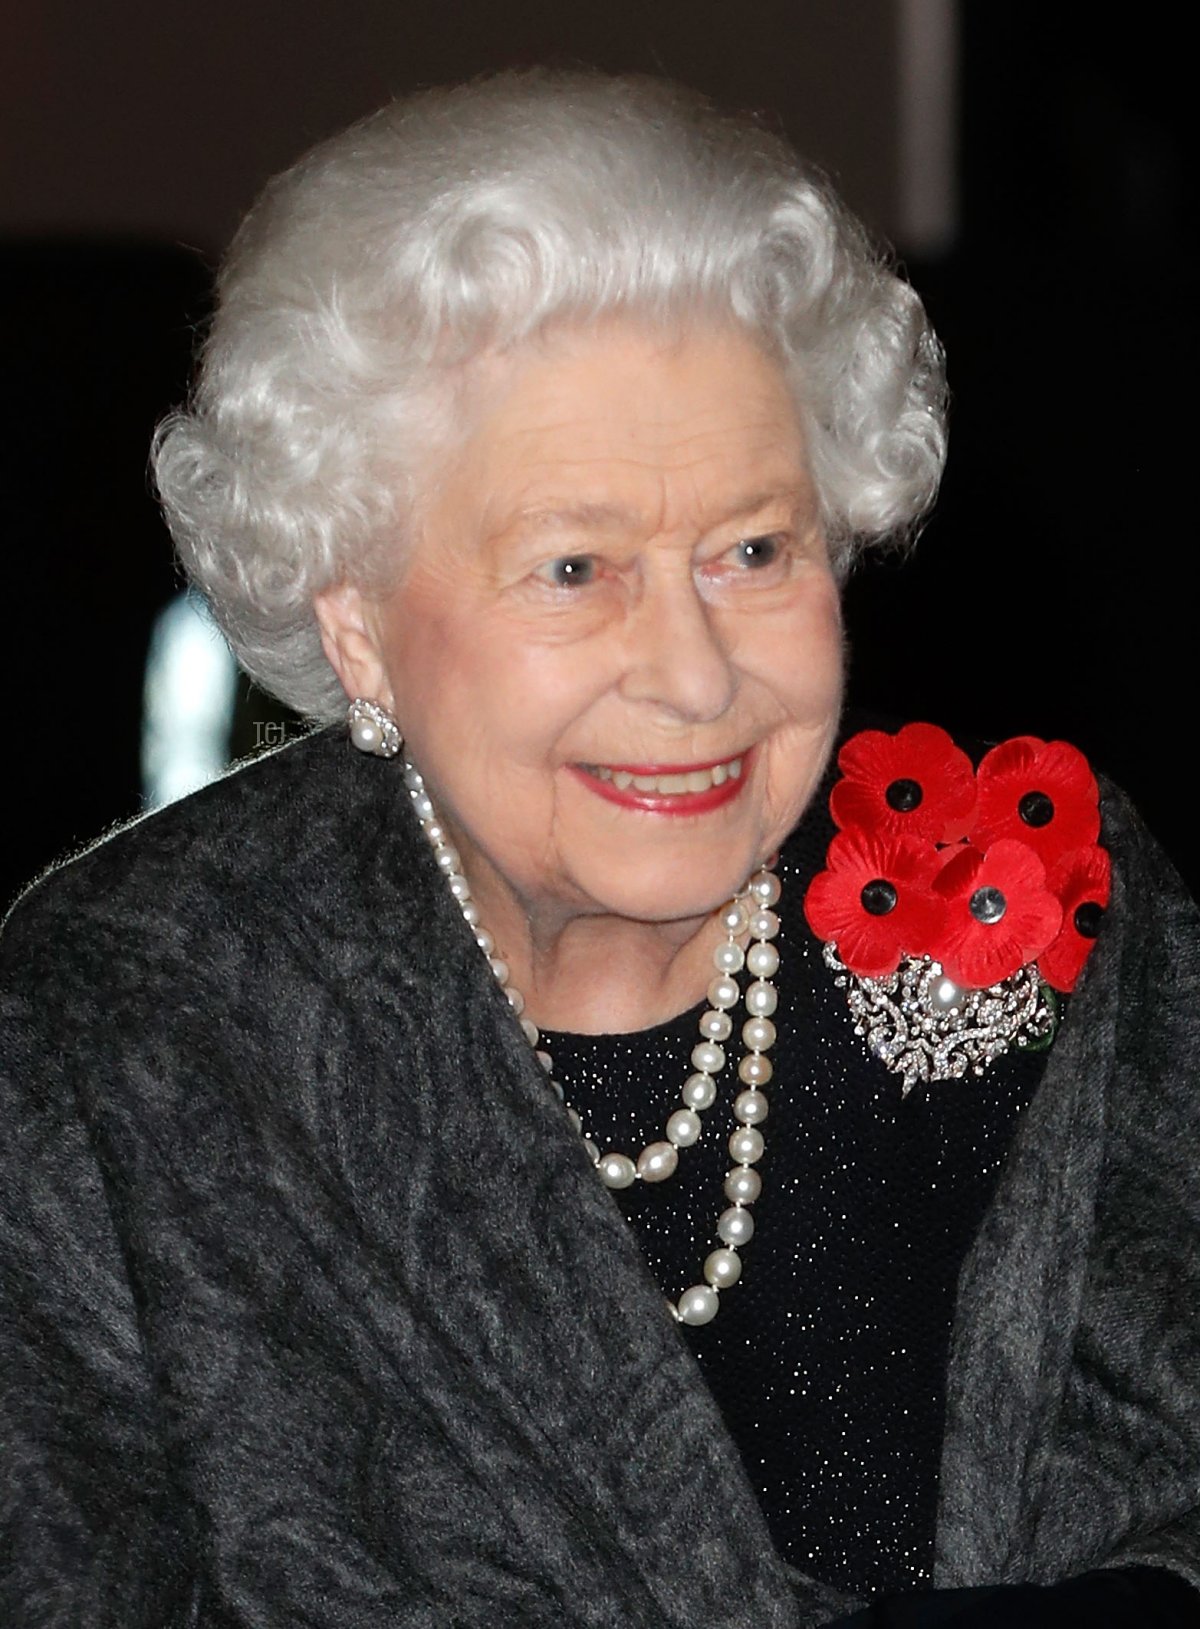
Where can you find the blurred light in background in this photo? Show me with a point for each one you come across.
(187, 712)
(927, 206)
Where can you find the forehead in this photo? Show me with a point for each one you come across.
(617, 418)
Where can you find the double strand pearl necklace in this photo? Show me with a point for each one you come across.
(749, 912)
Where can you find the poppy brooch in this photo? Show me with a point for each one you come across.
(956, 901)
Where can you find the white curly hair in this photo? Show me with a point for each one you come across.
(463, 220)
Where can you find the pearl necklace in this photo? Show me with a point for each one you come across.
(749, 912)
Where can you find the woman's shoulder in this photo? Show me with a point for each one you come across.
(246, 807)
(265, 836)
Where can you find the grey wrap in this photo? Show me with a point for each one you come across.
(313, 1312)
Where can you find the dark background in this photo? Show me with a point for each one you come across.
(1049, 595)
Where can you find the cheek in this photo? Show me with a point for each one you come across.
(830, 634)
(808, 671)
(491, 691)
(807, 657)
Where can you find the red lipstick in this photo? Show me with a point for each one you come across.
(669, 803)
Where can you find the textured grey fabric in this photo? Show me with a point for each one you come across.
(1073, 1412)
(314, 1313)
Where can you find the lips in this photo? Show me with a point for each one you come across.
(667, 788)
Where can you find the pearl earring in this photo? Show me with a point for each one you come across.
(373, 729)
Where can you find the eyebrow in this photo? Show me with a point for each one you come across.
(607, 516)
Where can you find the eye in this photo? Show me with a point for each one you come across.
(569, 571)
(753, 553)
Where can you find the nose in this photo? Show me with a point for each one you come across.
(677, 658)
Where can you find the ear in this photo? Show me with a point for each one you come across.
(351, 642)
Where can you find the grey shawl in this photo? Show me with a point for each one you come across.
(313, 1312)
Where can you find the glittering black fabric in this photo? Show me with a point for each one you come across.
(828, 1358)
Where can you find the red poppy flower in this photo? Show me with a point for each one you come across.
(999, 912)
(915, 783)
(875, 901)
(1041, 793)
(1080, 882)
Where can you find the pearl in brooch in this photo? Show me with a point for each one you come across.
(750, 912)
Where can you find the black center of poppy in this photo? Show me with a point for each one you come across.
(878, 897)
(904, 796)
(1036, 809)
(987, 905)
(1088, 917)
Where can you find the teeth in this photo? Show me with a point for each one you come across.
(691, 780)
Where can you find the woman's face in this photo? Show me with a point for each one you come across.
(621, 579)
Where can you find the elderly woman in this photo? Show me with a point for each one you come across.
(392, 1229)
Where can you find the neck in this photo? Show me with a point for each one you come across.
(596, 974)
(604, 975)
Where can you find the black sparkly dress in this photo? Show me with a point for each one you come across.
(828, 1359)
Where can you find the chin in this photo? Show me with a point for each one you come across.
(661, 888)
